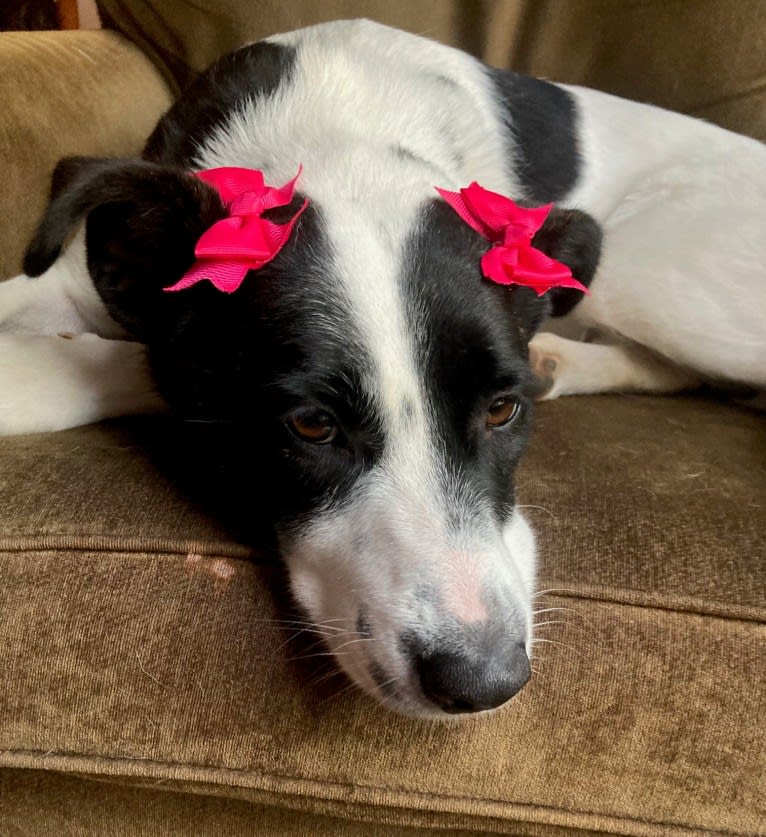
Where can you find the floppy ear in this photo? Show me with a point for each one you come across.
(573, 238)
(143, 221)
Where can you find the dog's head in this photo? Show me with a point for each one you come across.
(380, 395)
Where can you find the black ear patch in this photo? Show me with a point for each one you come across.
(573, 238)
(76, 187)
(143, 222)
(70, 169)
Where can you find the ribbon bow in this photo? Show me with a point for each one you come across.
(244, 240)
(513, 260)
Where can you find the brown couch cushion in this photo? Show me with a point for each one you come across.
(137, 644)
(65, 93)
(704, 58)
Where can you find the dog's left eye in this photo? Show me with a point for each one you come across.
(502, 411)
(314, 426)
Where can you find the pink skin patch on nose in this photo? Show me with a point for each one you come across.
(462, 588)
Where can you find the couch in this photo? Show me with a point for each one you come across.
(147, 684)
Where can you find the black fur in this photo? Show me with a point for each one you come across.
(573, 238)
(541, 119)
(251, 72)
(474, 336)
(143, 221)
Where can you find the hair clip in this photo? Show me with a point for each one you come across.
(512, 260)
(244, 240)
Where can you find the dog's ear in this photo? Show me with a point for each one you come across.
(573, 238)
(143, 221)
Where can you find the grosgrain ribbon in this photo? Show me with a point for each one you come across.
(244, 240)
(513, 260)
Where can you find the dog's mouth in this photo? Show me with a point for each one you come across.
(424, 638)
(458, 681)
(462, 670)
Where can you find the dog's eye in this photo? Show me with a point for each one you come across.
(502, 411)
(313, 426)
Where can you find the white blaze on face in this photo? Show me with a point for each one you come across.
(393, 547)
(410, 548)
(462, 587)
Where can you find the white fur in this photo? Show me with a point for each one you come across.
(51, 382)
(56, 368)
(63, 299)
(683, 271)
(392, 554)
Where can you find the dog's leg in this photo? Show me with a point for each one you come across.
(63, 299)
(55, 382)
(570, 367)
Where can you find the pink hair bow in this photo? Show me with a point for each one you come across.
(513, 260)
(244, 240)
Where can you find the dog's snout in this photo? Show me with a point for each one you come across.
(459, 682)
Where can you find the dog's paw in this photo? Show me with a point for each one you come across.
(545, 361)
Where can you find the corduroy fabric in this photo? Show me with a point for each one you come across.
(161, 665)
(65, 93)
(47, 803)
(701, 57)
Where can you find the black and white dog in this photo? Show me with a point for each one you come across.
(379, 383)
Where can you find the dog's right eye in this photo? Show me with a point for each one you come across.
(314, 426)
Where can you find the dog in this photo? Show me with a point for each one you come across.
(379, 384)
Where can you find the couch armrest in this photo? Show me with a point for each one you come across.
(65, 93)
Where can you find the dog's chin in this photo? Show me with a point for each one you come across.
(405, 698)
(421, 710)
(396, 687)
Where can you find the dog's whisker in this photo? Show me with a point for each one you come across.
(576, 615)
(550, 609)
(325, 623)
(541, 508)
(307, 627)
(333, 672)
(304, 621)
(390, 682)
(317, 654)
(586, 630)
(349, 687)
(554, 590)
(553, 622)
(324, 631)
(576, 651)
(291, 639)
(353, 641)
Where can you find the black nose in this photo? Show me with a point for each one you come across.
(457, 682)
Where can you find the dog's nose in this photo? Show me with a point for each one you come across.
(459, 682)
